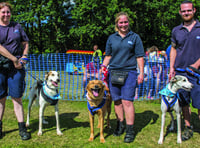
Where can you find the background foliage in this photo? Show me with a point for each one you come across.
(58, 25)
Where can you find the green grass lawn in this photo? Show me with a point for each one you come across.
(74, 122)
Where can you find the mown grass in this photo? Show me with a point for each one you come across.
(74, 122)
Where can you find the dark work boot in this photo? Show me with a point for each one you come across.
(129, 137)
(120, 129)
(23, 131)
(188, 133)
(1, 133)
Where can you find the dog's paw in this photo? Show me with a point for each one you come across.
(179, 141)
(91, 139)
(39, 133)
(27, 124)
(59, 133)
(102, 140)
(160, 141)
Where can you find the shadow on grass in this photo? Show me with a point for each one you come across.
(66, 122)
(194, 122)
(141, 121)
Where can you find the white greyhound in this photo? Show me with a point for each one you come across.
(170, 102)
(47, 93)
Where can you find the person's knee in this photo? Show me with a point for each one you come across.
(127, 103)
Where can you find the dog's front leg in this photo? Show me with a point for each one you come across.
(29, 111)
(57, 120)
(177, 109)
(101, 121)
(160, 141)
(178, 116)
(41, 113)
(91, 127)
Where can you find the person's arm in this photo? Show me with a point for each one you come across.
(106, 60)
(172, 61)
(140, 62)
(4, 52)
(196, 64)
(26, 47)
(25, 52)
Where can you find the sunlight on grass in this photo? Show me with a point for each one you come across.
(74, 122)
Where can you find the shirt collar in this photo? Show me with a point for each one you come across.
(196, 25)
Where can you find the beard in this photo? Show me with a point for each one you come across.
(188, 18)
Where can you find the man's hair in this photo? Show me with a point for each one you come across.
(187, 2)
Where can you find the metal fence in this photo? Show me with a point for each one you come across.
(71, 68)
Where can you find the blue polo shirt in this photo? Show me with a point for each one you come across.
(124, 51)
(11, 37)
(187, 45)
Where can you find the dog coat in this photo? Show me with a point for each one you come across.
(94, 109)
(167, 93)
(53, 100)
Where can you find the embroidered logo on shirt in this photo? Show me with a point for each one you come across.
(197, 37)
(130, 42)
(16, 31)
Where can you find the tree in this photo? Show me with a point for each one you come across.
(153, 20)
(46, 23)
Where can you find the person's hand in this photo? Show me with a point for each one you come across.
(140, 78)
(171, 73)
(23, 60)
(195, 66)
(17, 64)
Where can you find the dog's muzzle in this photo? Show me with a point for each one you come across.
(95, 90)
(55, 83)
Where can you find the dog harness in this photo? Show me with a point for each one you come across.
(166, 93)
(53, 100)
(94, 109)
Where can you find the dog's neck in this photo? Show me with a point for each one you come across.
(92, 101)
(172, 87)
(45, 83)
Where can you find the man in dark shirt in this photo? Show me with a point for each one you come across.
(185, 52)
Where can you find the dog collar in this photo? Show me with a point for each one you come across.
(93, 109)
(45, 83)
(55, 97)
(166, 92)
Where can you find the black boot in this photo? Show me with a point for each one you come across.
(1, 133)
(23, 131)
(120, 129)
(129, 137)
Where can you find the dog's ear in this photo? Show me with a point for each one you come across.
(46, 75)
(87, 87)
(173, 79)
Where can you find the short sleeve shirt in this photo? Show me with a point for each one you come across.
(124, 51)
(11, 37)
(187, 45)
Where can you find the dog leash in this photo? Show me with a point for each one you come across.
(27, 60)
(195, 72)
(105, 75)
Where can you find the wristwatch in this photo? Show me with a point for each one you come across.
(26, 55)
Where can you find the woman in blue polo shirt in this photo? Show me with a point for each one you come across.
(12, 83)
(124, 51)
